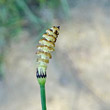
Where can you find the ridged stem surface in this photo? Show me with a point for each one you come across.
(43, 96)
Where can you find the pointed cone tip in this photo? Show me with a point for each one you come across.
(58, 27)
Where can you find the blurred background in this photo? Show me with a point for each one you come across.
(79, 72)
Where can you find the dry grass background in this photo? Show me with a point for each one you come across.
(78, 74)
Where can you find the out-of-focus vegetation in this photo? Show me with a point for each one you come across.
(33, 15)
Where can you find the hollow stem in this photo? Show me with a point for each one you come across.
(43, 96)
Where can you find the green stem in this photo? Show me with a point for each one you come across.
(43, 97)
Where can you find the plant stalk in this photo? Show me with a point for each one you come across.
(43, 96)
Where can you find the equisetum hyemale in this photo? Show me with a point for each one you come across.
(47, 45)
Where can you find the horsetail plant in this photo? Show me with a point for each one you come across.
(47, 44)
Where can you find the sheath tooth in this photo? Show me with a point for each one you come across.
(42, 60)
(49, 37)
(45, 48)
(51, 33)
(44, 54)
(46, 42)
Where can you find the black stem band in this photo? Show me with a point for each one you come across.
(41, 74)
